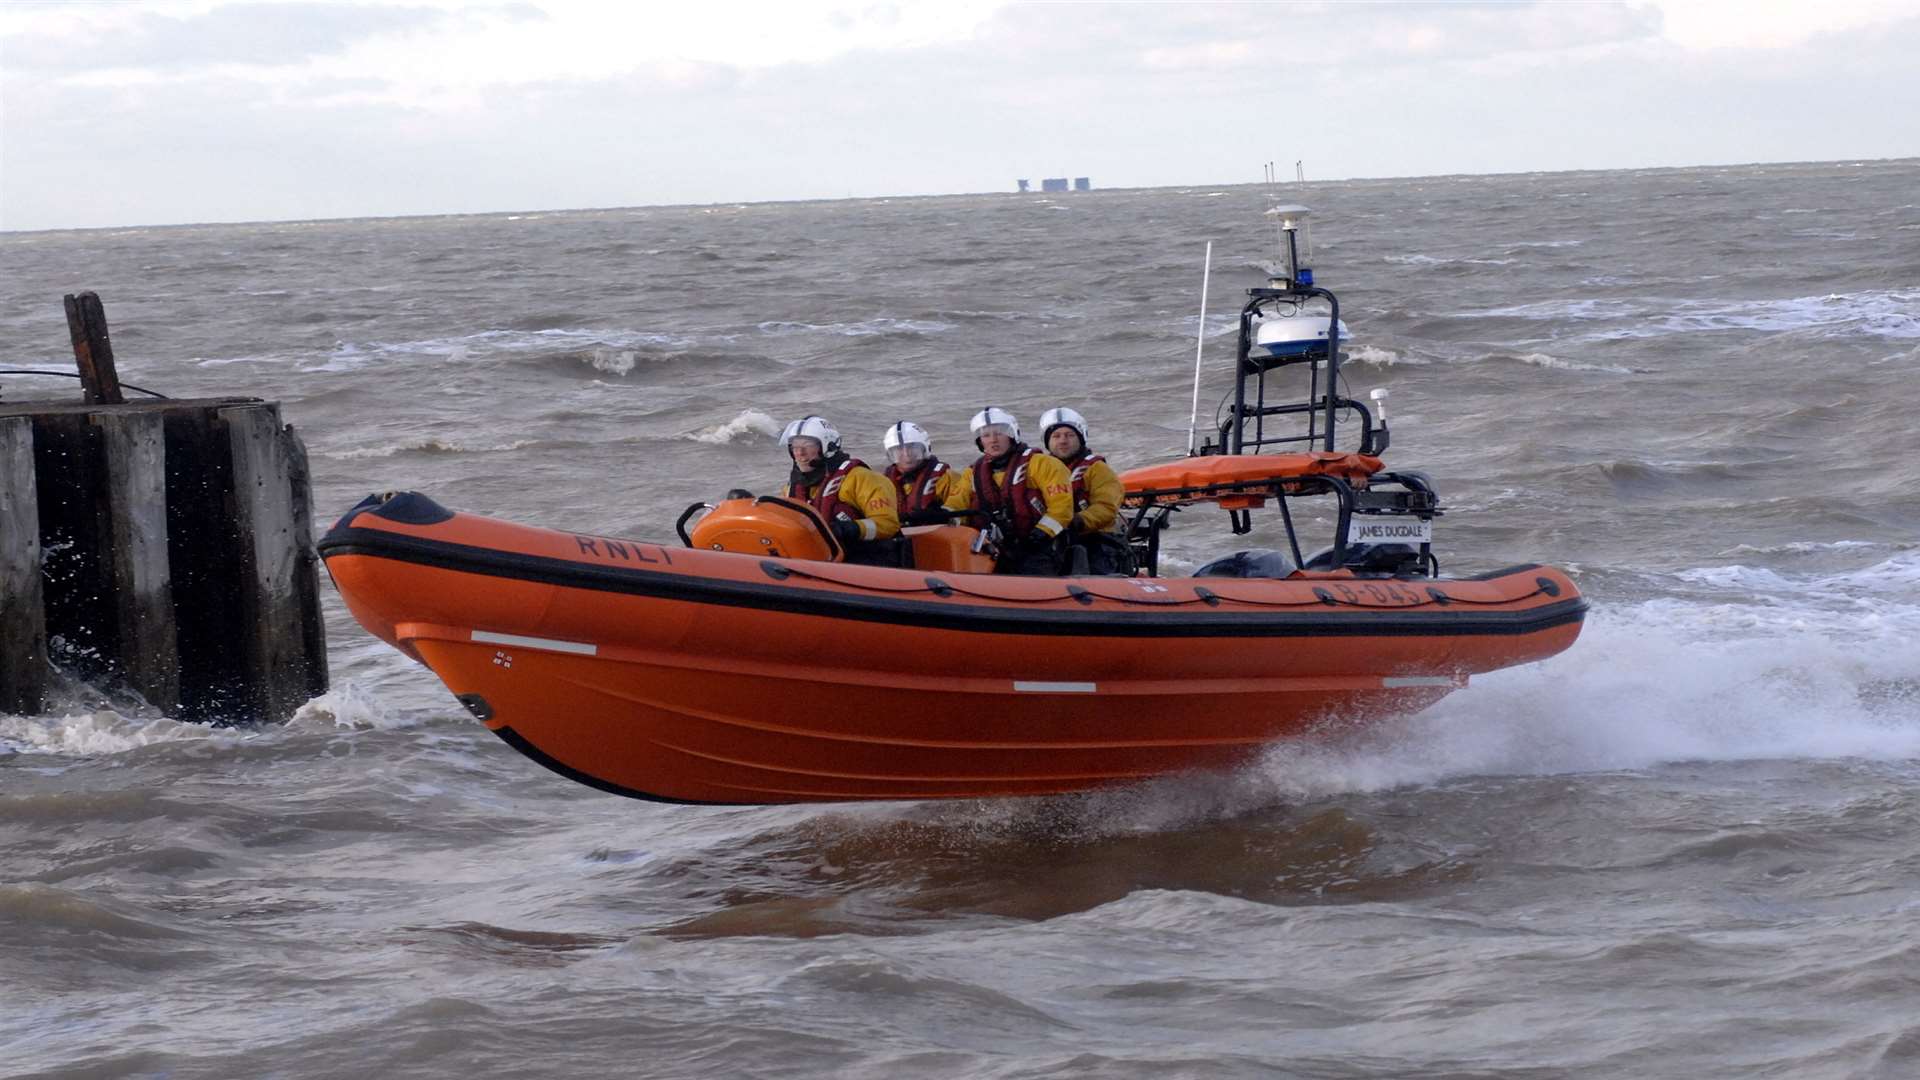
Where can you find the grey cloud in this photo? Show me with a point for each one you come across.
(1299, 38)
(966, 115)
(269, 34)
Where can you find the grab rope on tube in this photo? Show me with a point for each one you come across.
(1322, 597)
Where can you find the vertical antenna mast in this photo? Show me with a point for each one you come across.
(1200, 339)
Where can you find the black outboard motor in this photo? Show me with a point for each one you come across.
(1253, 563)
(1373, 560)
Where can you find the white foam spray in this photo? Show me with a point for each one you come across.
(1376, 356)
(101, 732)
(347, 706)
(429, 444)
(748, 424)
(1545, 360)
(1887, 313)
(1815, 667)
(1757, 665)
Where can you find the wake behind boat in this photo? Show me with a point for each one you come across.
(697, 672)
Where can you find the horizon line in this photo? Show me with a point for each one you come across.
(928, 195)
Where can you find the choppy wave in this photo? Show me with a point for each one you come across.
(430, 444)
(1584, 309)
(609, 350)
(1891, 313)
(46, 909)
(875, 327)
(1543, 360)
(350, 706)
(1376, 356)
(615, 362)
(1219, 324)
(102, 732)
(1638, 477)
(1652, 683)
(1762, 665)
(1886, 590)
(944, 316)
(1430, 260)
(747, 424)
(1804, 547)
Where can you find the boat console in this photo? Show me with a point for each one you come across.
(1291, 326)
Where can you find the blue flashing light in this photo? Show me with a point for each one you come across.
(1304, 277)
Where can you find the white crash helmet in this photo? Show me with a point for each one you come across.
(811, 427)
(1054, 418)
(907, 435)
(994, 416)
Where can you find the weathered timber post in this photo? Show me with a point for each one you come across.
(276, 561)
(92, 350)
(138, 573)
(164, 545)
(23, 625)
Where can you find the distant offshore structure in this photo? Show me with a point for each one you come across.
(1271, 172)
(1056, 183)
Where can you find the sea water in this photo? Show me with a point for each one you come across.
(1682, 848)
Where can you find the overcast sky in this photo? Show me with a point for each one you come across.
(169, 112)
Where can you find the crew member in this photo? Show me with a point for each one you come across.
(925, 486)
(857, 503)
(1097, 492)
(1027, 494)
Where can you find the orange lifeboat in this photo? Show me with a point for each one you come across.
(688, 674)
(753, 665)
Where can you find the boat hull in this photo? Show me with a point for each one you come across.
(696, 676)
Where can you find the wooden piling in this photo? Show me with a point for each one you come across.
(272, 639)
(23, 627)
(170, 544)
(306, 577)
(93, 349)
(139, 577)
(161, 546)
(202, 545)
(81, 618)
